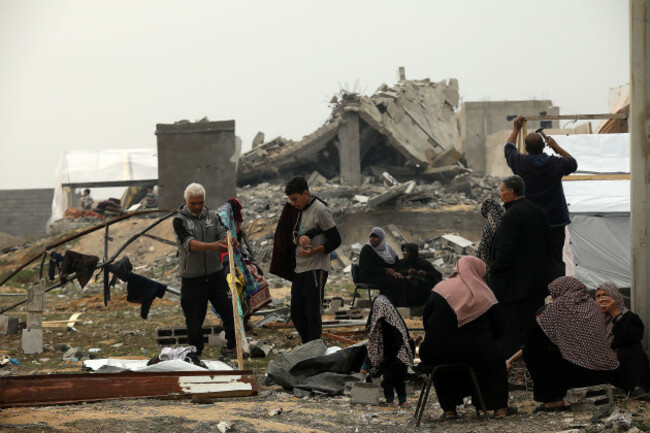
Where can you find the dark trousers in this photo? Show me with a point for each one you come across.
(394, 379)
(519, 318)
(195, 294)
(556, 265)
(306, 301)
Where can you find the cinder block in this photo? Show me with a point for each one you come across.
(590, 397)
(365, 393)
(8, 324)
(32, 340)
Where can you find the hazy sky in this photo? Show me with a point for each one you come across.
(100, 74)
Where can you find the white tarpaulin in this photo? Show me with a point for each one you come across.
(162, 366)
(92, 166)
(599, 233)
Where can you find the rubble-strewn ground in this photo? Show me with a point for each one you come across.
(118, 331)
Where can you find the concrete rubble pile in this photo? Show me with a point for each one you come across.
(262, 205)
(409, 129)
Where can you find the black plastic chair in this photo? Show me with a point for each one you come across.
(426, 389)
(361, 286)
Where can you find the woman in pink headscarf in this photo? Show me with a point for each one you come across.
(568, 346)
(462, 322)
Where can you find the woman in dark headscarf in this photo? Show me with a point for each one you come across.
(420, 274)
(493, 213)
(377, 263)
(568, 347)
(624, 332)
(390, 349)
(462, 322)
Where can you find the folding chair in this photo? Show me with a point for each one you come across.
(361, 286)
(426, 388)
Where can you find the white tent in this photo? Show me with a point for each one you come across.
(111, 167)
(599, 242)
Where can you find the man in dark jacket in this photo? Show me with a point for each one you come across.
(519, 262)
(201, 240)
(542, 175)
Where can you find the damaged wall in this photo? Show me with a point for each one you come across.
(403, 128)
(203, 152)
(25, 212)
(479, 119)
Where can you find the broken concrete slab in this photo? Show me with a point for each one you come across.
(390, 194)
(316, 179)
(456, 242)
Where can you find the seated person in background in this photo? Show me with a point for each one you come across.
(567, 346)
(462, 322)
(420, 270)
(377, 263)
(86, 201)
(150, 201)
(625, 331)
(390, 349)
(111, 205)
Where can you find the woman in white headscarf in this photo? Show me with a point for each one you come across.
(377, 266)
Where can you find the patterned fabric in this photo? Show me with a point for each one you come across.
(465, 290)
(383, 250)
(251, 286)
(612, 290)
(575, 324)
(493, 212)
(382, 308)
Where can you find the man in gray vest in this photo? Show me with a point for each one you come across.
(201, 240)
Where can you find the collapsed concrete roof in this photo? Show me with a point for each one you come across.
(412, 125)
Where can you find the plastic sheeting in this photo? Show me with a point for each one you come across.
(597, 154)
(600, 245)
(110, 165)
(140, 365)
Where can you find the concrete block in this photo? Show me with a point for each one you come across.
(365, 393)
(34, 320)
(590, 397)
(8, 324)
(32, 341)
(216, 341)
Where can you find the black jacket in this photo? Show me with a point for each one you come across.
(519, 256)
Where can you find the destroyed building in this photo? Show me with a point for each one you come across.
(409, 130)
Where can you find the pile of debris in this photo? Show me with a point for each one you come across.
(409, 129)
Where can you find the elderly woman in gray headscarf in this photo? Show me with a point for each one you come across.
(377, 266)
(624, 332)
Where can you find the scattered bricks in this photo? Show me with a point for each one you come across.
(365, 393)
(8, 324)
(32, 341)
(590, 398)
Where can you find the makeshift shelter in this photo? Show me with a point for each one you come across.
(599, 243)
(101, 168)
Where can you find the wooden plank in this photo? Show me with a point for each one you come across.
(40, 390)
(596, 177)
(338, 338)
(579, 116)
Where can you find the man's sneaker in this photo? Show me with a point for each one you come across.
(194, 359)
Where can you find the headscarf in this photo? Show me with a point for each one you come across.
(465, 290)
(612, 290)
(575, 324)
(414, 254)
(493, 212)
(383, 250)
(382, 308)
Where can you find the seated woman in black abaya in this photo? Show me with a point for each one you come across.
(462, 322)
(567, 346)
(420, 272)
(377, 266)
(624, 332)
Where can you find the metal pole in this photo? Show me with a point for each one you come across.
(639, 123)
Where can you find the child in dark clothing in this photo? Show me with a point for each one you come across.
(390, 349)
